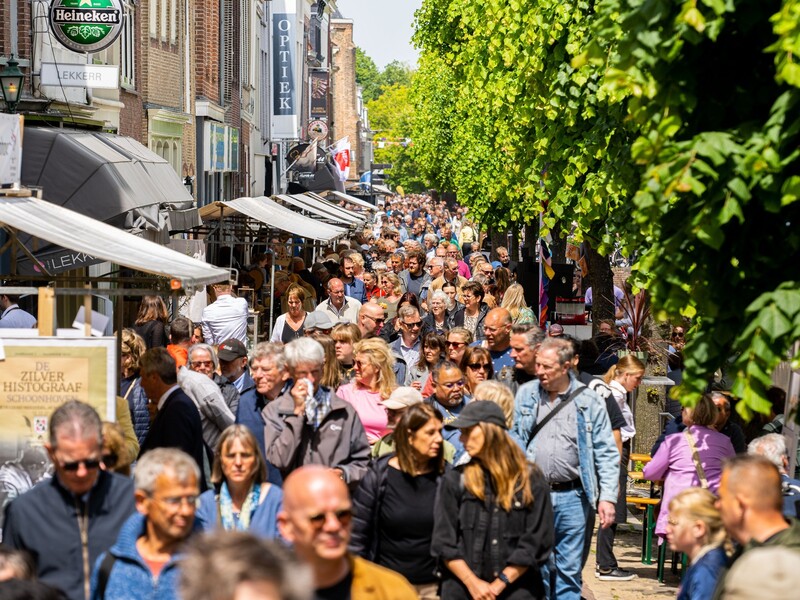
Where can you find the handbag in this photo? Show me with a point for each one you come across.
(701, 474)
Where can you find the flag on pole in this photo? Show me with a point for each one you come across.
(341, 157)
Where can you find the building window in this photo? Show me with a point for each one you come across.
(173, 22)
(163, 30)
(153, 18)
(127, 48)
(170, 149)
(245, 33)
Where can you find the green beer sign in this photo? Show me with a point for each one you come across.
(86, 25)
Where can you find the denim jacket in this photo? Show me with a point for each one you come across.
(597, 450)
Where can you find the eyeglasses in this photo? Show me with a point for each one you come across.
(376, 319)
(414, 325)
(89, 464)
(451, 384)
(362, 363)
(476, 366)
(455, 344)
(467, 296)
(202, 363)
(176, 501)
(343, 515)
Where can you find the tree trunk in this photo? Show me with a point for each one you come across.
(558, 245)
(602, 281)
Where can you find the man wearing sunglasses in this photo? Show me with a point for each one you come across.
(43, 520)
(449, 399)
(408, 345)
(316, 519)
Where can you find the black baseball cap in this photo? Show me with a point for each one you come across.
(479, 411)
(231, 350)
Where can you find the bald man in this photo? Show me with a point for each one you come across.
(751, 504)
(315, 519)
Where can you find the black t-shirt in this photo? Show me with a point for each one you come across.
(339, 591)
(406, 526)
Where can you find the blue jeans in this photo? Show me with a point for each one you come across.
(562, 573)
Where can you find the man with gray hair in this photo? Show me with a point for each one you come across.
(144, 561)
(773, 447)
(309, 424)
(43, 520)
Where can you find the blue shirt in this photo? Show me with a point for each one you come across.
(15, 318)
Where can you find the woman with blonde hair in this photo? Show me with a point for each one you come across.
(514, 303)
(374, 381)
(500, 394)
(695, 528)
(289, 325)
(132, 347)
(622, 378)
(331, 375)
(501, 497)
(390, 283)
(345, 335)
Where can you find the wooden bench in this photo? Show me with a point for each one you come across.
(648, 524)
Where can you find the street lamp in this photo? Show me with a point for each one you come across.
(11, 83)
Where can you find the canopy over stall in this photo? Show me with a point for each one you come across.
(352, 200)
(322, 209)
(85, 235)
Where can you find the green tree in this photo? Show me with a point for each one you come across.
(368, 76)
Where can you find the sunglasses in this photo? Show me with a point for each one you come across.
(89, 464)
(110, 460)
(414, 325)
(455, 344)
(476, 366)
(376, 319)
(343, 515)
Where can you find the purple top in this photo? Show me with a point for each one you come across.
(673, 463)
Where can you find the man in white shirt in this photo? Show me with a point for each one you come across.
(226, 317)
(338, 306)
(13, 317)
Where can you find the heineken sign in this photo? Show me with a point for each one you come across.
(86, 25)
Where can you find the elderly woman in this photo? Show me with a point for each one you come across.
(476, 364)
(695, 528)
(471, 316)
(131, 349)
(289, 325)
(497, 501)
(345, 336)
(394, 505)
(674, 463)
(202, 358)
(373, 383)
(242, 499)
(514, 303)
(436, 319)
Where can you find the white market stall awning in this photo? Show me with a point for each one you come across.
(271, 213)
(321, 208)
(353, 200)
(67, 228)
(336, 208)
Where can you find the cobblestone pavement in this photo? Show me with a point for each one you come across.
(627, 549)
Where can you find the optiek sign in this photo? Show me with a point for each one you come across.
(86, 25)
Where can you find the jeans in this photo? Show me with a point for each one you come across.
(606, 560)
(562, 573)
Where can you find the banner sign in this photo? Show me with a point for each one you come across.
(319, 94)
(86, 25)
(284, 70)
(81, 75)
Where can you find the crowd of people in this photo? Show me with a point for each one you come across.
(408, 431)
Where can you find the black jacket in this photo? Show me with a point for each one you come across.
(465, 527)
(44, 521)
(456, 318)
(177, 425)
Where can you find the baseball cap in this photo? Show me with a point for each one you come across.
(332, 258)
(479, 411)
(403, 397)
(556, 330)
(231, 349)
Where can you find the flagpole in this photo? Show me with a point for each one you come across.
(539, 261)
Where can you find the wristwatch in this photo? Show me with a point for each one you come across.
(504, 578)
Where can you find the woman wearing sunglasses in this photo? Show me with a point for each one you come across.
(242, 499)
(477, 367)
(374, 381)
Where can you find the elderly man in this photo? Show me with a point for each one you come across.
(203, 359)
(177, 423)
(338, 306)
(564, 428)
(66, 522)
(309, 424)
(449, 275)
(226, 317)
(370, 319)
(435, 267)
(408, 344)
(449, 399)
(750, 503)
(524, 342)
(144, 562)
(773, 447)
(316, 519)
